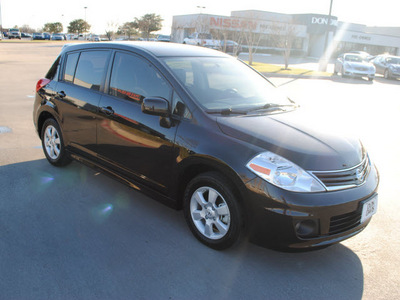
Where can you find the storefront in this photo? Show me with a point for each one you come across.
(305, 34)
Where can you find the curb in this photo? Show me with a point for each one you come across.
(275, 75)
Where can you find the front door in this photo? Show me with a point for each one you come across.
(129, 140)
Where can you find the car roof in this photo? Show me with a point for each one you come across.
(153, 48)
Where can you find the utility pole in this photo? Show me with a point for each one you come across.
(85, 22)
(1, 23)
(325, 59)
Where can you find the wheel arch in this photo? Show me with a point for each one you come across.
(44, 115)
(199, 165)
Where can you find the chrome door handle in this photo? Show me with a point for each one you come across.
(107, 110)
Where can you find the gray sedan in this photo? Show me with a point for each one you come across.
(388, 66)
(354, 65)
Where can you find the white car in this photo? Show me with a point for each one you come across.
(354, 65)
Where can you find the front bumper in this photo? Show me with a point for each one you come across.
(358, 73)
(283, 219)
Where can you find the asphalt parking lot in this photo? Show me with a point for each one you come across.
(73, 233)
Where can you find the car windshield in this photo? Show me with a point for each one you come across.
(225, 84)
(393, 60)
(354, 58)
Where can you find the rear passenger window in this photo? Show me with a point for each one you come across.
(91, 69)
(133, 78)
(70, 67)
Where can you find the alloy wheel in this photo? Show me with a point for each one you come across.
(210, 213)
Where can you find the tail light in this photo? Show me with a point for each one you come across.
(42, 83)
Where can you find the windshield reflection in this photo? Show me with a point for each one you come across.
(224, 84)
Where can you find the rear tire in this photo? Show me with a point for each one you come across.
(53, 144)
(212, 211)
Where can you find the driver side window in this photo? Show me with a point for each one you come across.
(134, 79)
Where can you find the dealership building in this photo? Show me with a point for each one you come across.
(307, 34)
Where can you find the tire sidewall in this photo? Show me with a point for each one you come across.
(220, 184)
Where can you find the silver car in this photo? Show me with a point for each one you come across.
(388, 66)
(354, 65)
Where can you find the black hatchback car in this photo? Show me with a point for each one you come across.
(201, 131)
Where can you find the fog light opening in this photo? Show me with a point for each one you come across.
(307, 228)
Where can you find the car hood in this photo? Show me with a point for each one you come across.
(296, 137)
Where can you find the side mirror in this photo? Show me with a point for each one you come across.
(156, 107)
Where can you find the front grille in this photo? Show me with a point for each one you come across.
(344, 179)
(344, 222)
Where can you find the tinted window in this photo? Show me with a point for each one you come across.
(91, 69)
(70, 67)
(132, 78)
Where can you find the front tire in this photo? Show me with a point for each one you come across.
(212, 211)
(53, 144)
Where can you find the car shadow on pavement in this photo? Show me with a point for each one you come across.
(74, 233)
(387, 81)
(350, 80)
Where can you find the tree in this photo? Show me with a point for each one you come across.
(111, 29)
(128, 29)
(26, 28)
(78, 26)
(149, 23)
(53, 27)
(283, 37)
(251, 36)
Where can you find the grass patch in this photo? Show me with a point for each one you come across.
(268, 68)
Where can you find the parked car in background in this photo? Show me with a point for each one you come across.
(26, 35)
(14, 33)
(354, 65)
(202, 131)
(37, 36)
(388, 66)
(57, 37)
(202, 39)
(79, 37)
(229, 46)
(47, 36)
(163, 38)
(94, 38)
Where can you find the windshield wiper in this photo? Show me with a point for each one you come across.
(274, 106)
(227, 112)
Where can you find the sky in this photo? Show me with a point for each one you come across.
(101, 14)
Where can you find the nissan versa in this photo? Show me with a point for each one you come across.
(201, 131)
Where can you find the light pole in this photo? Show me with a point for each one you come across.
(85, 22)
(325, 58)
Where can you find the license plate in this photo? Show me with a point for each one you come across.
(369, 208)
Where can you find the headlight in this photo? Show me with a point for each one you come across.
(283, 173)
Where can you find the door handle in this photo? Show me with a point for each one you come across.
(107, 110)
(61, 94)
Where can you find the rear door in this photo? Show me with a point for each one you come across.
(78, 95)
(136, 144)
